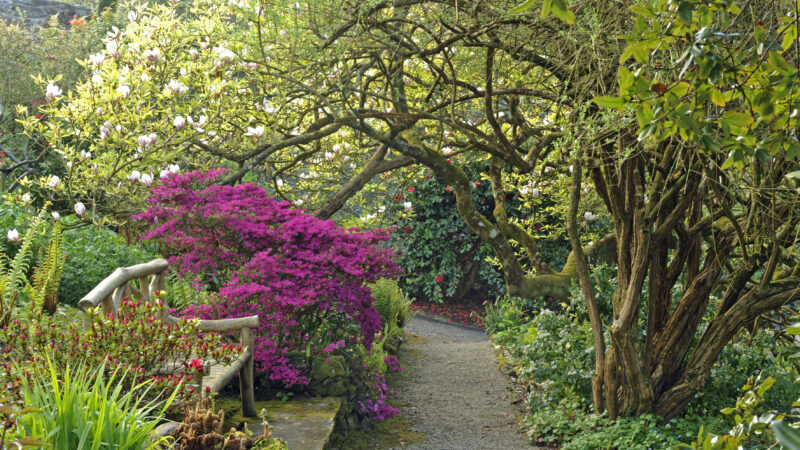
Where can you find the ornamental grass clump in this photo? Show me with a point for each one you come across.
(80, 407)
(265, 257)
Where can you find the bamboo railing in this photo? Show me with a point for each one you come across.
(150, 277)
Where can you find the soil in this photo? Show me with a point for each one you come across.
(453, 391)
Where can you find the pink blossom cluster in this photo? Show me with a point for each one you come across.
(377, 407)
(281, 263)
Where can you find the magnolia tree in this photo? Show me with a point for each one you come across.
(189, 88)
(294, 270)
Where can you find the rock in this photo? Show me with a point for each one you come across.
(38, 12)
(328, 376)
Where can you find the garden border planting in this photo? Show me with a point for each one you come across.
(110, 292)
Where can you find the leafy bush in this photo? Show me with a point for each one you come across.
(92, 254)
(436, 247)
(134, 342)
(392, 305)
(555, 353)
(83, 407)
(303, 276)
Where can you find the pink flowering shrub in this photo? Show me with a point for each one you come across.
(295, 271)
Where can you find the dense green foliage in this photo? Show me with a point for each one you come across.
(92, 254)
(82, 407)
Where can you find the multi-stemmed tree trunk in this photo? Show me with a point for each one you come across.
(688, 238)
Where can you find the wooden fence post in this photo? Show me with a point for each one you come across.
(246, 381)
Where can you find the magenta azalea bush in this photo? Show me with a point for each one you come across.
(295, 271)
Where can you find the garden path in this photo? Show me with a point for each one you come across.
(454, 392)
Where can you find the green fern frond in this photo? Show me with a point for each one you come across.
(16, 276)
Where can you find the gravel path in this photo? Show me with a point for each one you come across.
(455, 393)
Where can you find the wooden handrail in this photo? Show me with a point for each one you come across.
(111, 290)
(119, 277)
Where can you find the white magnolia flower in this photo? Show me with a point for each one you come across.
(69, 164)
(146, 140)
(179, 122)
(86, 155)
(447, 150)
(407, 206)
(535, 192)
(96, 78)
(113, 34)
(225, 55)
(124, 91)
(97, 58)
(13, 235)
(174, 168)
(105, 130)
(298, 202)
(329, 156)
(336, 148)
(132, 16)
(80, 209)
(56, 215)
(589, 217)
(266, 106)
(164, 173)
(382, 209)
(255, 132)
(52, 91)
(53, 182)
(26, 198)
(112, 48)
(176, 87)
(135, 176)
(279, 183)
(147, 179)
(153, 55)
(193, 53)
(100, 111)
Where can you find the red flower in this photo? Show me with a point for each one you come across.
(476, 183)
(196, 364)
(439, 278)
(208, 389)
(447, 189)
(538, 227)
(411, 189)
(407, 229)
(76, 22)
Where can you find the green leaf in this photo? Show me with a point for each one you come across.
(763, 155)
(610, 102)
(685, 13)
(562, 11)
(764, 387)
(793, 150)
(738, 119)
(787, 436)
(642, 11)
(625, 78)
(546, 8)
(528, 4)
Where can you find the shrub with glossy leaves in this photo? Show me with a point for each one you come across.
(295, 271)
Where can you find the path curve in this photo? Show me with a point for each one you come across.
(454, 392)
